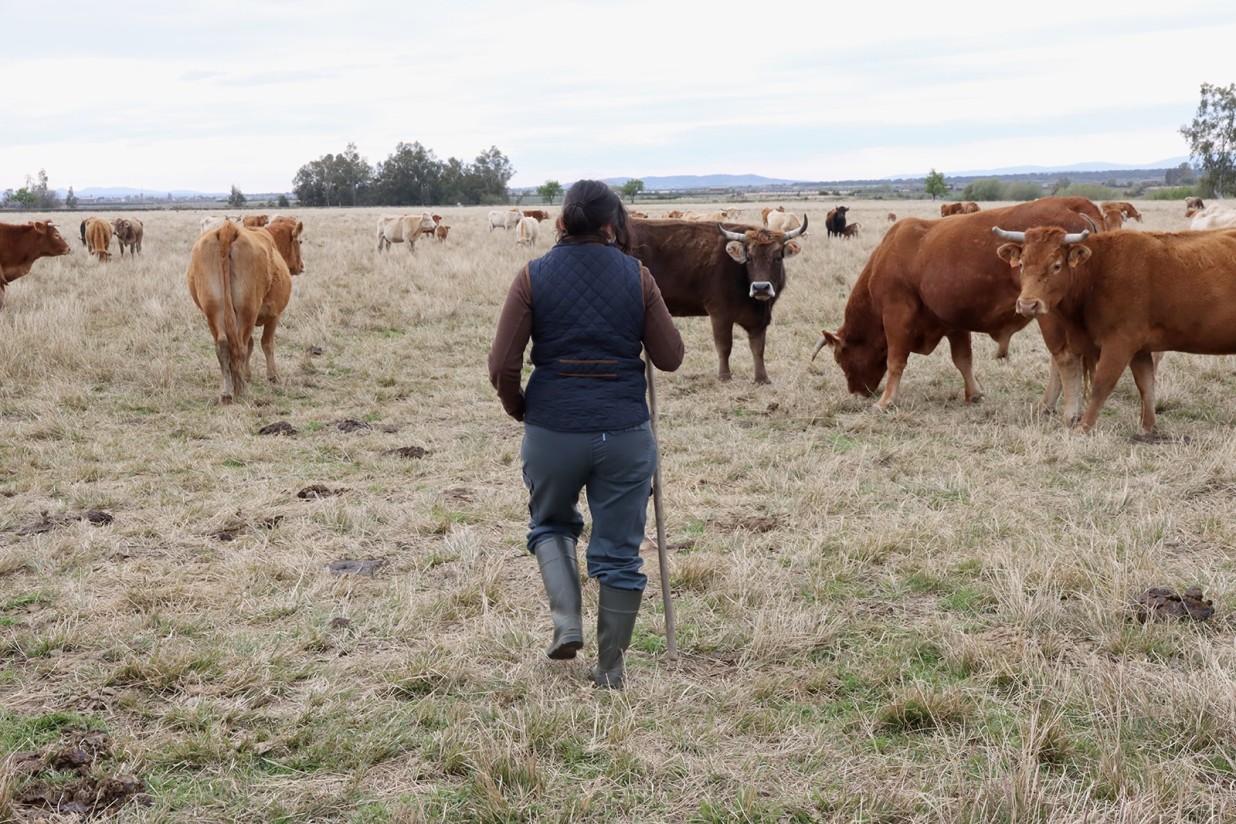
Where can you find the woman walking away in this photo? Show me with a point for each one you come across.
(588, 309)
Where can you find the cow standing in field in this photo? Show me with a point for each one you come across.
(507, 218)
(21, 244)
(403, 229)
(929, 280)
(441, 232)
(1213, 217)
(1122, 297)
(539, 214)
(128, 231)
(1128, 209)
(98, 237)
(785, 221)
(947, 209)
(767, 210)
(730, 272)
(526, 231)
(834, 221)
(240, 279)
(254, 221)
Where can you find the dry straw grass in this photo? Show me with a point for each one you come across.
(910, 617)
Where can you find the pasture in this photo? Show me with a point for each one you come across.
(920, 616)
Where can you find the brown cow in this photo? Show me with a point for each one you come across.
(933, 279)
(768, 209)
(441, 232)
(892, 218)
(947, 209)
(969, 207)
(128, 231)
(1113, 217)
(732, 273)
(539, 214)
(834, 221)
(21, 244)
(98, 237)
(287, 233)
(1129, 210)
(239, 279)
(1122, 297)
(255, 221)
(850, 230)
(1193, 205)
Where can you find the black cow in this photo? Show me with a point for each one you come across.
(731, 272)
(834, 222)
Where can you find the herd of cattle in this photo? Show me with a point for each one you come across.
(1104, 299)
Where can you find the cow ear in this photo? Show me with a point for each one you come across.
(1078, 254)
(737, 250)
(1010, 253)
(792, 248)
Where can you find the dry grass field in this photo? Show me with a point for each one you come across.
(920, 616)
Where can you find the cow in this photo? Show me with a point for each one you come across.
(850, 230)
(785, 221)
(505, 218)
(254, 221)
(672, 214)
(82, 228)
(128, 231)
(1213, 217)
(947, 209)
(933, 279)
(767, 210)
(211, 222)
(630, 213)
(1193, 205)
(834, 221)
(711, 217)
(403, 229)
(99, 237)
(1129, 210)
(21, 244)
(892, 218)
(441, 232)
(240, 280)
(732, 273)
(539, 214)
(969, 207)
(1122, 297)
(287, 233)
(1113, 217)
(526, 231)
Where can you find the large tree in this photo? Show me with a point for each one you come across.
(631, 188)
(549, 190)
(334, 180)
(934, 185)
(1212, 138)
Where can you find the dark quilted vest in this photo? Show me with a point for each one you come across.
(587, 330)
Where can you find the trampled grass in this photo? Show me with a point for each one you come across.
(919, 616)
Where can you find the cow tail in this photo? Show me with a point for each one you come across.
(237, 353)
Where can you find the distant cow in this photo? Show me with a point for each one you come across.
(1113, 217)
(850, 230)
(767, 210)
(99, 237)
(539, 214)
(834, 221)
(892, 218)
(969, 207)
(1213, 217)
(441, 232)
(254, 221)
(128, 231)
(1193, 205)
(929, 280)
(240, 280)
(1122, 297)
(211, 222)
(507, 218)
(730, 272)
(403, 229)
(526, 231)
(672, 214)
(947, 209)
(21, 244)
(785, 221)
(1130, 212)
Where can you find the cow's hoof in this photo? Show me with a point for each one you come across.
(976, 398)
(724, 376)
(763, 381)
(875, 407)
(225, 399)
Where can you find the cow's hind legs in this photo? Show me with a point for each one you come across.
(268, 349)
(226, 386)
(963, 359)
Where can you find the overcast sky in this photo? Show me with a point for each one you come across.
(203, 96)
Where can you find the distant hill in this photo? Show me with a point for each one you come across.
(1094, 166)
(703, 182)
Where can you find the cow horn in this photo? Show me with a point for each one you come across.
(793, 233)
(731, 235)
(1019, 237)
(820, 344)
(1076, 237)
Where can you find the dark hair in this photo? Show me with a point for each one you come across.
(591, 204)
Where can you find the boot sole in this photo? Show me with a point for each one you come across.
(565, 650)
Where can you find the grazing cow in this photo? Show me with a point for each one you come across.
(83, 231)
(128, 231)
(526, 231)
(255, 221)
(1193, 205)
(1113, 217)
(99, 237)
(969, 207)
(730, 272)
(403, 229)
(672, 214)
(834, 221)
(506, 219)
(539, 214)
(239, 280)
(21, 244)
(1213, 217)
(711, 217)
(850, 230)
(947, 209)
(212, 222)
(933, 279)
(441, 232)
(892, 218)
(1130, 212)
(785, 221)
(630, 213)
(1122, 297)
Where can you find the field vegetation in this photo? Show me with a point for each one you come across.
(918, 616)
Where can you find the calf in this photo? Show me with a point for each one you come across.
(128, 231)
(21, 244)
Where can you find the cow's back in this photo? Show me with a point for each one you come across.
(688, 261)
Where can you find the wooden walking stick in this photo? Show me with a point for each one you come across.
(671, 637)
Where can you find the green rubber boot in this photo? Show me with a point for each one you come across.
(560, 574)
(616, 611)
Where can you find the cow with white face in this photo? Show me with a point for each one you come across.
(526, 231)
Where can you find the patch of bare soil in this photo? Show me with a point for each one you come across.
(40, 791)
(46, 522)
(278, 428)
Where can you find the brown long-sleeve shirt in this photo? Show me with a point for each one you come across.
(661, 339)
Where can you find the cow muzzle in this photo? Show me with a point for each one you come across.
(762, 290)
(1031, 308)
